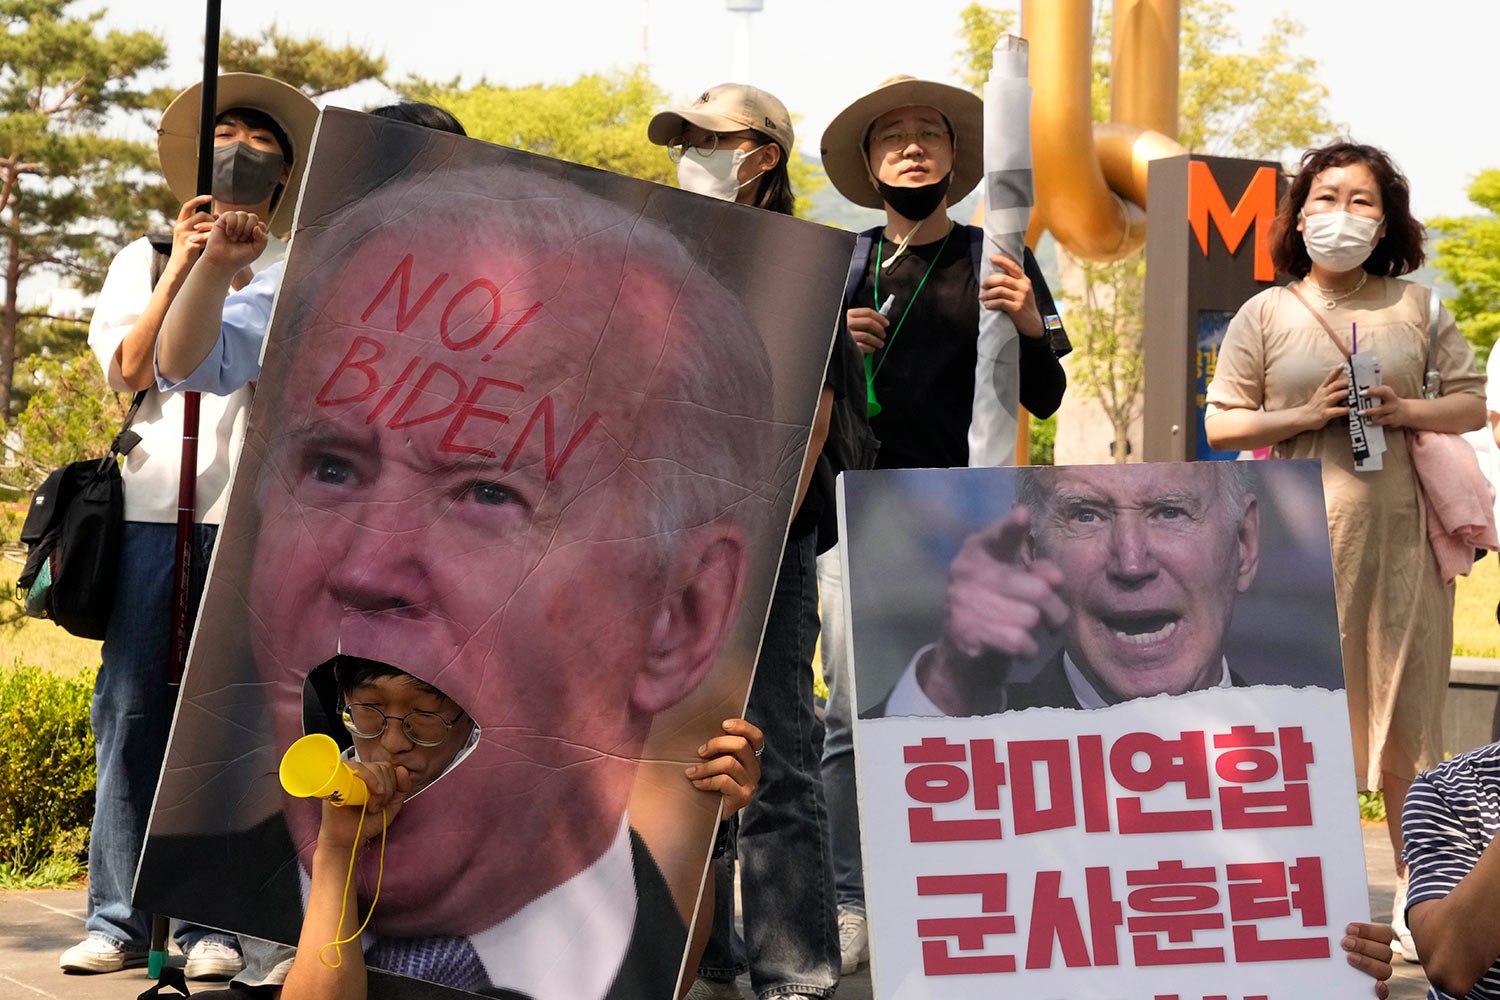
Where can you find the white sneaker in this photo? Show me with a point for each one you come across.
(854, 941)
(96, 953)
(213, 958)
(1403, 944)
(714, 989)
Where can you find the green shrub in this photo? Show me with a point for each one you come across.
(46, 775)
(1043, 438)
(1372, 807)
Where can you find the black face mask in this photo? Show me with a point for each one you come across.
(916, 203)
(244, 175)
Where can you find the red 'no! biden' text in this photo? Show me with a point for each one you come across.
(422, 390)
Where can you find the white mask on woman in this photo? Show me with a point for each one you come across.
(716, 175)
(1339, 241)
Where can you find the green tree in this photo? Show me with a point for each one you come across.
(42, 336)
(598, 120)
(67, 192)
(1265, 103)
(1106, 325)
(70, 197)
(313, 65)
(979, 28)
(1467, 255)
(70, 414)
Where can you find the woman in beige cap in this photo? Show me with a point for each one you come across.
(732, 143)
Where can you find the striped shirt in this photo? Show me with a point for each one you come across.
(1452, 813)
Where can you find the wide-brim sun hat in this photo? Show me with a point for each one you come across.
(846, 161)
(177, 137)
(728, 107)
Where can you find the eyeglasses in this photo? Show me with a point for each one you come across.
(705, 147)
(894, 141)
(425, 729)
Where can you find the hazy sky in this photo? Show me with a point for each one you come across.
(1416, 78)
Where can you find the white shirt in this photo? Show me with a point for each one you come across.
(1089, 697)
(535, 950)
(530, 951)
(908, 698)
(151, 468)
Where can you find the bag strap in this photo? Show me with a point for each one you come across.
(1321, 321)
(863, 243)
(976, 249)
(161, 253)
(125, 441)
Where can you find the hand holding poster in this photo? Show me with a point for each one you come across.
(525, 446)
(1110, 756)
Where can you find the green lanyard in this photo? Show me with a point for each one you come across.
(891, 340)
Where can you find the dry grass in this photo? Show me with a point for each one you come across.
(40, 643)
(1475, 631)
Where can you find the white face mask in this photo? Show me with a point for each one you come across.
(1339, 241)
(716, 175)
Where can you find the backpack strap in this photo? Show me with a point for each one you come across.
(862, 246)
(127, 439)
(976, 249)
(161, 246)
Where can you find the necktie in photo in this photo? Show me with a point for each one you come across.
(450, 961)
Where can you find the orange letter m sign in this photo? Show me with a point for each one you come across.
(1257, 207)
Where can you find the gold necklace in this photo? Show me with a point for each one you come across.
(1331, 298)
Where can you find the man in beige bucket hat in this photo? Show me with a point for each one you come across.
(913, 148)
(261, 138)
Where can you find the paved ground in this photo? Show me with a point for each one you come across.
(36, 926)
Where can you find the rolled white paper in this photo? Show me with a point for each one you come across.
(1008, 198)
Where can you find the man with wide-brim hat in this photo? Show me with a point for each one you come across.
(912, 148)
(262, 135)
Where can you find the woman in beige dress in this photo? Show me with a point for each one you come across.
(1345, 231)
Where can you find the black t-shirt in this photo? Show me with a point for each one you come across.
(924, 378)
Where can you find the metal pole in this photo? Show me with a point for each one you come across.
(187, 485)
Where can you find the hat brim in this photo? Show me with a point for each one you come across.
(177, 137)
(847, 164)
(668, 125)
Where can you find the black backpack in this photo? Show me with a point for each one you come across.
(72, 535)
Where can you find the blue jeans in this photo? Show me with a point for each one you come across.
(838, 741)
(791, 931)
(131, 716)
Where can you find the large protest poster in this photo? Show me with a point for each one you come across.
(1102, 746)
(531, 433)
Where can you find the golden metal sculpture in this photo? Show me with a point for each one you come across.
(1091, 179)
